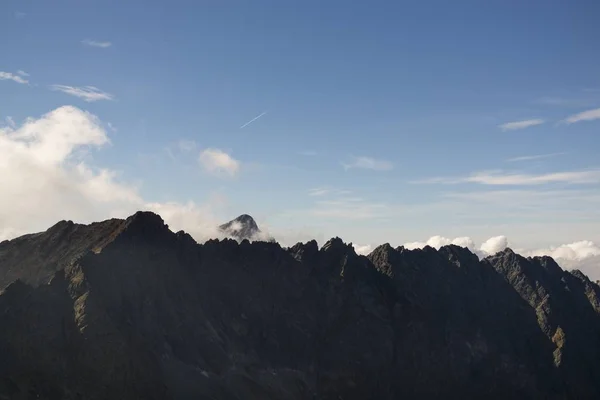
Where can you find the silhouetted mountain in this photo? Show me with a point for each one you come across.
(243, 227)
(128, 309)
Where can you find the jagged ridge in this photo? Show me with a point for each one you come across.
(133, 310)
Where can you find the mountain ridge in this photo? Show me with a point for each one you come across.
(151, 313)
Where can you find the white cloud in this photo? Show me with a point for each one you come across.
(589, 266)
(86, 93)
(511, 126)
(494, 244)
(572, 252)
(95, 43)
(363, 250)
(583, 255)
(8, 76)
(491, 246)
(499, 178)
(217, 162)
(369, 163)
(439, 241)
(534, 157)
(45, 177)
(22, 73)
(588, 115)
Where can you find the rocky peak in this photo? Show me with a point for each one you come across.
(383, 250)
(145, 221)
(550, 265)
(305, 251)
(240, 228)
(382, 258)
(334, 244)
(459, 255)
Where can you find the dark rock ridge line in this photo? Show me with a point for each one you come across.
(129, 309)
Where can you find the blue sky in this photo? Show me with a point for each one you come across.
(379, 122)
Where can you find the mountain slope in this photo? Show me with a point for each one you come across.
(133, 310)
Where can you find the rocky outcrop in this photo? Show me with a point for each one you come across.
(128, 309)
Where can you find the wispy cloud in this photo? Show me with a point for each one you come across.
(22, 73)
(253, 119)
(369, 163)
(111, 127)
(318, 192)
(503, 178)
(308, 153)
(349, 208)
(20, 14)
(588, 115)
(10, 122)
(562, 102)
(181, 147)
(95, 43)
(511, 126)
(323, 191)
(86, 93)
(217, 162)
(528, 198)
(186, 145)
(572, 177)
(18, 78)
(534, 157)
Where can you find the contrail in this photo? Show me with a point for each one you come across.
(252, 120)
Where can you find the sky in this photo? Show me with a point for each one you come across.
(405, 122)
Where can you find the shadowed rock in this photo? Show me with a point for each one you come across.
(128, 309)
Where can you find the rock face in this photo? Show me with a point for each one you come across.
(243, 227)
(128, 309)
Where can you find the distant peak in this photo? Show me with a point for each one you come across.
(244, 218)
(240, 228)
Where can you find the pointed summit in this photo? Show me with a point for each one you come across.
(243, 227)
